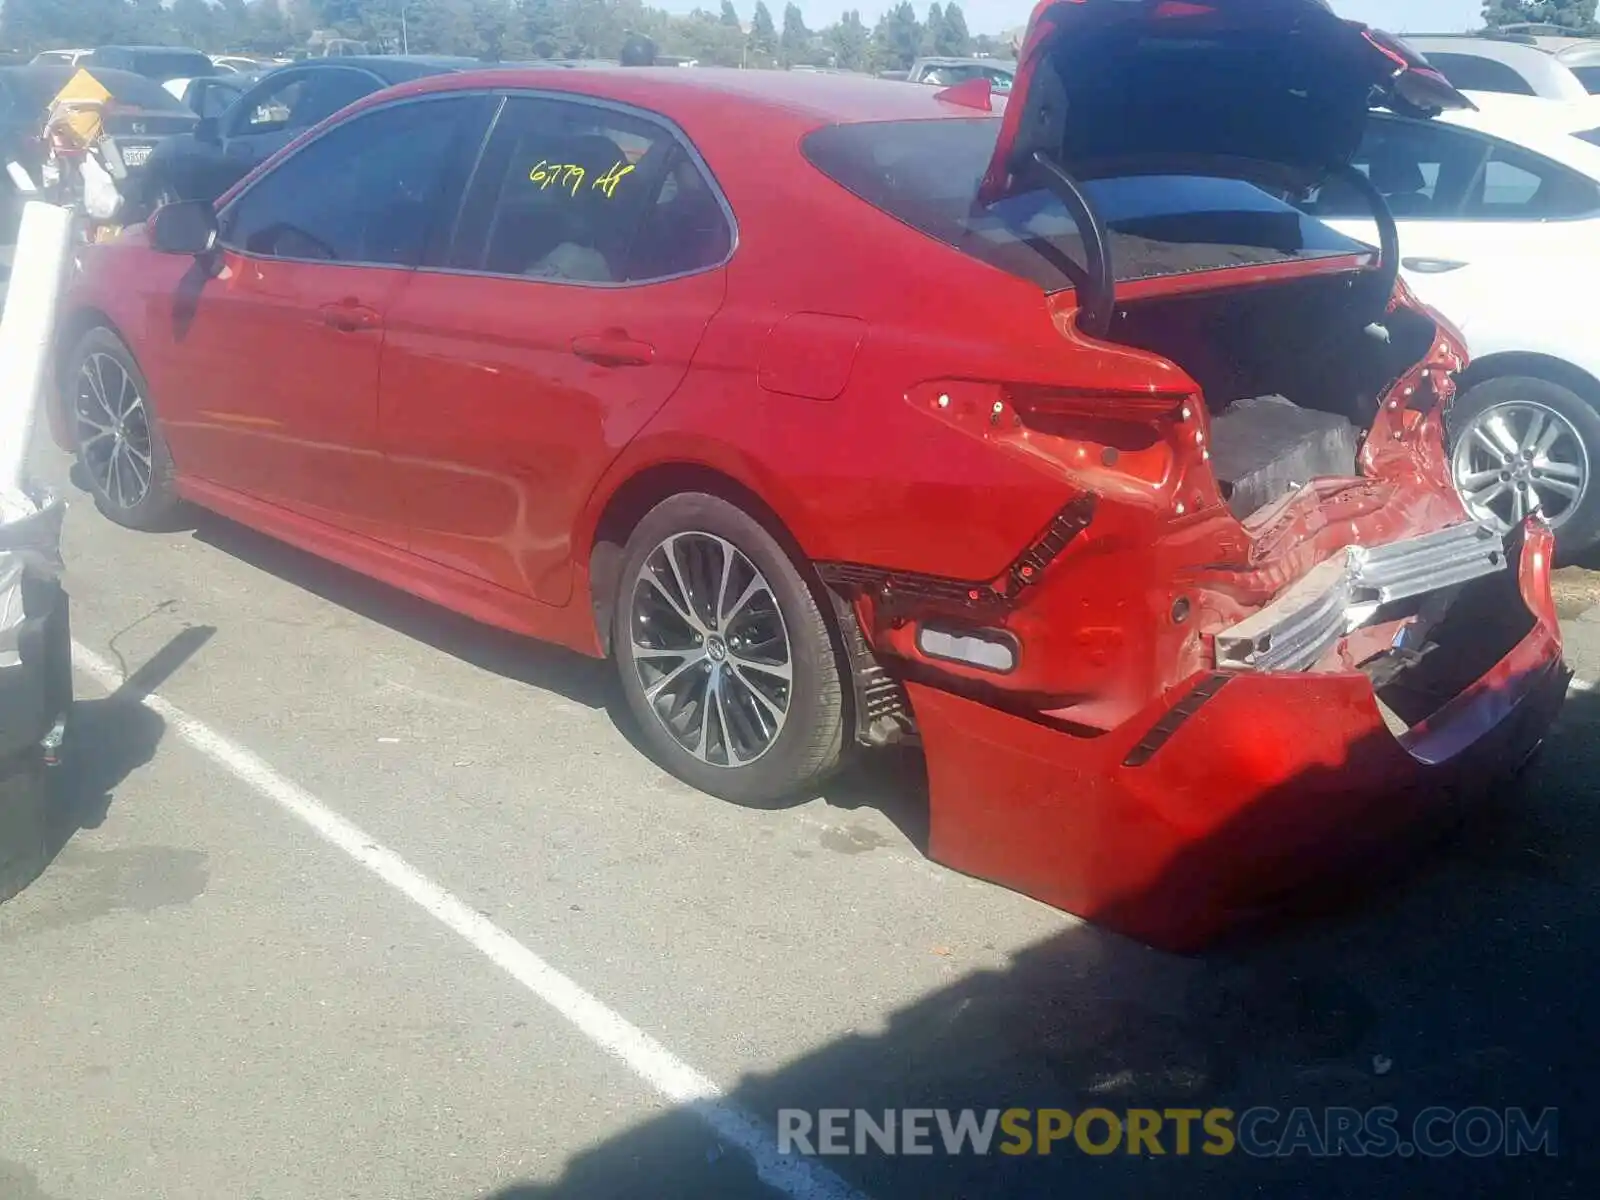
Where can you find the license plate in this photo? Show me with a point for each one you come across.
(134, 156)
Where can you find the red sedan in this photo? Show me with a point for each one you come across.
(839, 411)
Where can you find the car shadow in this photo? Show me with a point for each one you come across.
(1461, 983)
(892, 781)
(511, 656)
(107, 740)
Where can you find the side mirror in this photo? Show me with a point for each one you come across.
(187, 227)
(208, 130)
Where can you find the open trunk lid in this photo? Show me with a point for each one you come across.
(1268, 89)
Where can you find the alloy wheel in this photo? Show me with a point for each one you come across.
(711, 649)
(1518, 458)
(113, 431)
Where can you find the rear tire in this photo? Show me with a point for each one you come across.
(1485, 469)
(727, 662)
(117, 435)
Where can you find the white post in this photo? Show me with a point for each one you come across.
(27, 329)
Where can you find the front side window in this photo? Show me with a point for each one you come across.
(333, 89)
(369, 191)
(276, 108)
(214, 98)
(575, 193)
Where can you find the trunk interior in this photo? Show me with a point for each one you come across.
(1291, 374)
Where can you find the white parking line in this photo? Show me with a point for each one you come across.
(652, 1062)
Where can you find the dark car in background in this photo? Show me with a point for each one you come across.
(141, 115)
(280, 106)
(213, 95)
(160, 63)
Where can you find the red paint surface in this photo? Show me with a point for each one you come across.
(1274, 781)
(465, 446)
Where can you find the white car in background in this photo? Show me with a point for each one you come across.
(59, 58)
(1517, 67)
(237, 64)
(1498, 216)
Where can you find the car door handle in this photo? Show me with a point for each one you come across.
(1431, 266)
(613, 348)
(350, 316)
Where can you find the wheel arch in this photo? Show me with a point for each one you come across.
(1531, 363)
(648, 486)
(74, 327)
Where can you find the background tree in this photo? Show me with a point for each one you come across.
(932, 29)
(1571, 14)
(763, 36)
(952, 37)
(849, 42)
(510, 30)
(794, 44)
(896, 38)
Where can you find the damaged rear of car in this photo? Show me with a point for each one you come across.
(1262, 635)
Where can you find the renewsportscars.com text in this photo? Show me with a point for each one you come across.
(1261, 1132)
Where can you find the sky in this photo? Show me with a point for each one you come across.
(992, 16)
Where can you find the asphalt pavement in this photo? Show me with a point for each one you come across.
(357, 899)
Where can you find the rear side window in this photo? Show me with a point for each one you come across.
(1589, 77)
(370, 191)
(1470, 73)
(576, 193)
(926, 174)
(1520, 186)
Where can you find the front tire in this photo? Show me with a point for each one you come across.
(1517, 442)
(726, 660)
(117, 436)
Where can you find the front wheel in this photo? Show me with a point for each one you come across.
(727, 661)
(117, 436)
(1521, 444)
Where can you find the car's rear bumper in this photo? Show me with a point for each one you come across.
(1232, 789)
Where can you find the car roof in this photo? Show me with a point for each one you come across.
(1548, 75)
(127, 49)
(815, 97)
(39, 83)
(1584, 53)
(393, 68)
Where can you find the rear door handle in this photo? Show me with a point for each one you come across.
(613, 348)
(350, 316)
(1432, 266)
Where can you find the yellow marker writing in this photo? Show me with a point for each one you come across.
(607, 183)
(545, 173)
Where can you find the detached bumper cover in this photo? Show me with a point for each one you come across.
(1273, 779)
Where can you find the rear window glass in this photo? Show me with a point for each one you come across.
(162, 65)
(1589, 77)
(926, 174)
